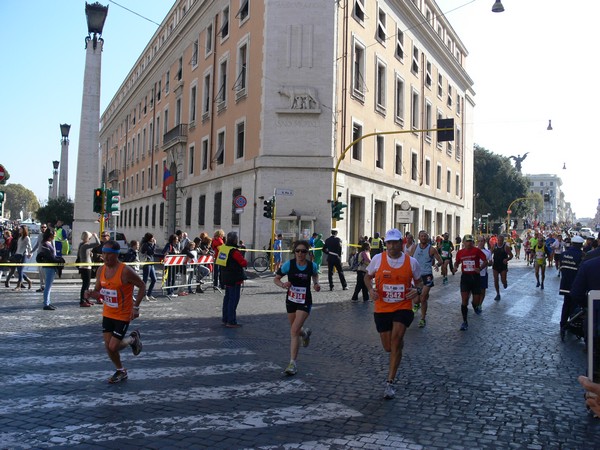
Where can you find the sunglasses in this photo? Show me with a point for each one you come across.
(301, 251)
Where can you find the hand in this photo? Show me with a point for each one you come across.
(317, 287)
(592, 395)
(286, 285)
(135, 313)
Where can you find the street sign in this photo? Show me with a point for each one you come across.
(239, 210)
(240, 201)
(284, 192)
(404, 216)
(509, 212)
(2, 172)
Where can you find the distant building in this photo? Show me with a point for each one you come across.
(556, 209)
(251, 98)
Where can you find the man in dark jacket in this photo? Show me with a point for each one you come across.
(232, 276)
(569, 265)
(333, 250)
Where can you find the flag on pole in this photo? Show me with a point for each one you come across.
(167, 180)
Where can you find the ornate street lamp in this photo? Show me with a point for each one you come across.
(50, 182)
(64, 131)
(95, 14)
(55, 165)
(63, 185)
(497, 6)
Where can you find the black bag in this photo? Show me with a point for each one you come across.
(16, 258)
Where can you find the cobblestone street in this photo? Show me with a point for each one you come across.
(508, 382)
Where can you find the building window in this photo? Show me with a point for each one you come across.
(439, 117)
(193, 96)
(208, 40)
(188, 211)
(161, 215)
(399, 101)
(143, 181)
(135, 216)
(379, 151)
(399, 45)
(358, 70)
(146, 217)
(357, 132)
(358, 12)
(153, 215)
(180, 69)
(194, 60)
(205, 150)
(222, 93)
(427, 172)
(428, 121)
(450, 97)
(217, 208)
(177, 112)
(167, 81)
(440, 86)
(380, 87)
(398, 162)
(457, 187)
(458, 143)
(224, 31)
(220, 155)
(201, 209)
(428, 79)
(235, 217)
(206, 96)
(415, 61)
(191, 157)
(244, 11)
(438, 178)
(413, 167)
(381, 22)
(458, 104)
(448, 181)
(414, 107)
(240, 138)
(240, 83)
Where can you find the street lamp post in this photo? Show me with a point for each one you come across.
(63, 185)
(88, 155)
(50, 182)
(55, 164)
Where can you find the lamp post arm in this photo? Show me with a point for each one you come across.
(353, 143)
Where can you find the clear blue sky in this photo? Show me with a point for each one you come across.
(530, 64)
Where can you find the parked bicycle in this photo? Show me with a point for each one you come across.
(261, 263)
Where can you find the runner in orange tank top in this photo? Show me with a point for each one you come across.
(397, 283)
(115, 283)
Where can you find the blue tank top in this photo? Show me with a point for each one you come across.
(424, 259)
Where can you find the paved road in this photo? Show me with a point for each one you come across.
(508, 382)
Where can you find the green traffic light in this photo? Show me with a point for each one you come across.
(113, 201)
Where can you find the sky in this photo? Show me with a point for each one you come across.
(529, 64)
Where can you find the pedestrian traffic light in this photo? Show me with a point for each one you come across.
(337, 210)
(98, 200)
(113, 201)
(269, 206)
(445, 130)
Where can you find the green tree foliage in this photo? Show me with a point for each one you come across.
(57, 209)
(18, 198)
(497, 184)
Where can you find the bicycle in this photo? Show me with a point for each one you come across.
(261, 263)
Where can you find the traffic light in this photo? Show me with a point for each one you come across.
(445, 130)
(546, 197)
(98, 200)
(337, 210)
(269, 206)
(1, 199)
(113, 201)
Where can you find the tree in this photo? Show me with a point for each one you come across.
(497, 184)
(56, 209)
(18, 198)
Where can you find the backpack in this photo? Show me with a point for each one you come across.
(354, 263)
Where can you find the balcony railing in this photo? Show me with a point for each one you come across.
(175, 135)
(113, 175)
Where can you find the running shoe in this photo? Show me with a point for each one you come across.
(542, 287)
(150, 298)
(538, 284)
(464, 326)
(306, 332)
(422, 323)
(497, 297)
(118, 376)
(478, 310)
(136, 343)
(416, 307)
(290, 369)
(445, 280)
(389, 392)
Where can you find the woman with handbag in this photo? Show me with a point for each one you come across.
(22, 252)
(47, 254)
(84, 256)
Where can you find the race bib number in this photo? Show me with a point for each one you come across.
(110, 297)
(445, 253)
(469, 265)
(393, 293)
(297, 294)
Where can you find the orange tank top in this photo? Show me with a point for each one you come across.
(392, 286)
(117, 297)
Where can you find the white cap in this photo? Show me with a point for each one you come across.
(577, 240)
(393, 235)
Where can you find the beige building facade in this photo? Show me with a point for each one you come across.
(248, 98)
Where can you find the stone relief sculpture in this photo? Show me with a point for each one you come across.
(300, 99)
